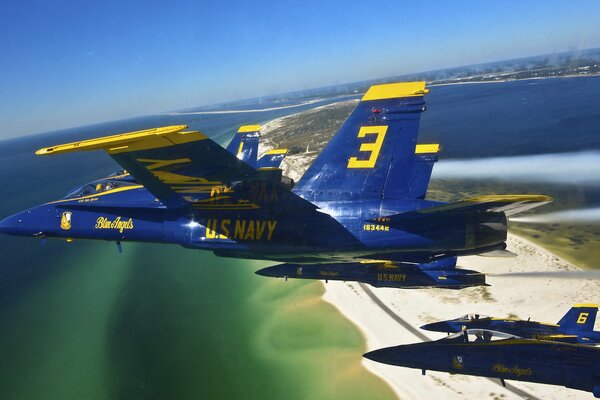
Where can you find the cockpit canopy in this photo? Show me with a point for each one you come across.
(479, 335)
(473, 317)
(97, 187)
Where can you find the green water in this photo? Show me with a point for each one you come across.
(163, 322)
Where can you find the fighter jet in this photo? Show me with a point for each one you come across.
(572, 365)
(244, 145)
(363, 199)
(577, 326)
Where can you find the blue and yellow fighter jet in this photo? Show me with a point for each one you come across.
(572, 365)
(576, 326)
(245, 146)
(360, 208)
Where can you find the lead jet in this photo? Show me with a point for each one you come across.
(576, 326)
(572, 365)
(245, 147)
(360, 203)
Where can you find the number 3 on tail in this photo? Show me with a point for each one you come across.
(372, 148)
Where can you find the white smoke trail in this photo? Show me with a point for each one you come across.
(553, 274)
(577, 216)
(574, 168)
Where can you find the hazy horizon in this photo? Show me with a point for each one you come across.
(97, 62)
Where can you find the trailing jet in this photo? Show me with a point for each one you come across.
(363, 199)
(577, 326)
(572, 365)
(244, 145)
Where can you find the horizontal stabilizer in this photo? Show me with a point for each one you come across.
(271, 159)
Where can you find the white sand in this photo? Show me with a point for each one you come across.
(542, 299)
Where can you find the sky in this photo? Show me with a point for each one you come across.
(70, 63)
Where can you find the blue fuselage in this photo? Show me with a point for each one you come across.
(569, 365)
(335, 230)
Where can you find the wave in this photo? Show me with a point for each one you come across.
(561, 168)
(304, 103)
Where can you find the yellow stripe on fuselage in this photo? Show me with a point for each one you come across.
(395, 90)
(112, 191)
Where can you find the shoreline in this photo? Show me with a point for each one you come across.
(515, 80)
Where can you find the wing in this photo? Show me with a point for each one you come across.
(186, 169)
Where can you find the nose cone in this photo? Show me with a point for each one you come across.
(384, 356)
(402, 356)
(415, 355)
(442, 326)
(276, 271)
(21, 224)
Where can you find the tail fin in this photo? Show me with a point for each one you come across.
(372, 156)
(580, 318)
(425, 157)
(271, 159)
(244, 144)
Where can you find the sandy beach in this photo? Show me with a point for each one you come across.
(389, 317)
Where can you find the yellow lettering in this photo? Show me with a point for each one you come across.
(240, 228)
(582, 318)
(272, 225)
(372, 148)
(117, 223)
(250, 231)
(210, 231)
(225, 228)
(260, 229)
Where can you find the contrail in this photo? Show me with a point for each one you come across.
(576, 168)
(577, 216)
(553, 274)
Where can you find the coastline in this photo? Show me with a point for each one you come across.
(533, 78)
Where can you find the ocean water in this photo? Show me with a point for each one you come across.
(537, 116)
(81, 320)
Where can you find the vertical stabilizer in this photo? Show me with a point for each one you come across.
(580, 318)
(244, 144)
(372, 156)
